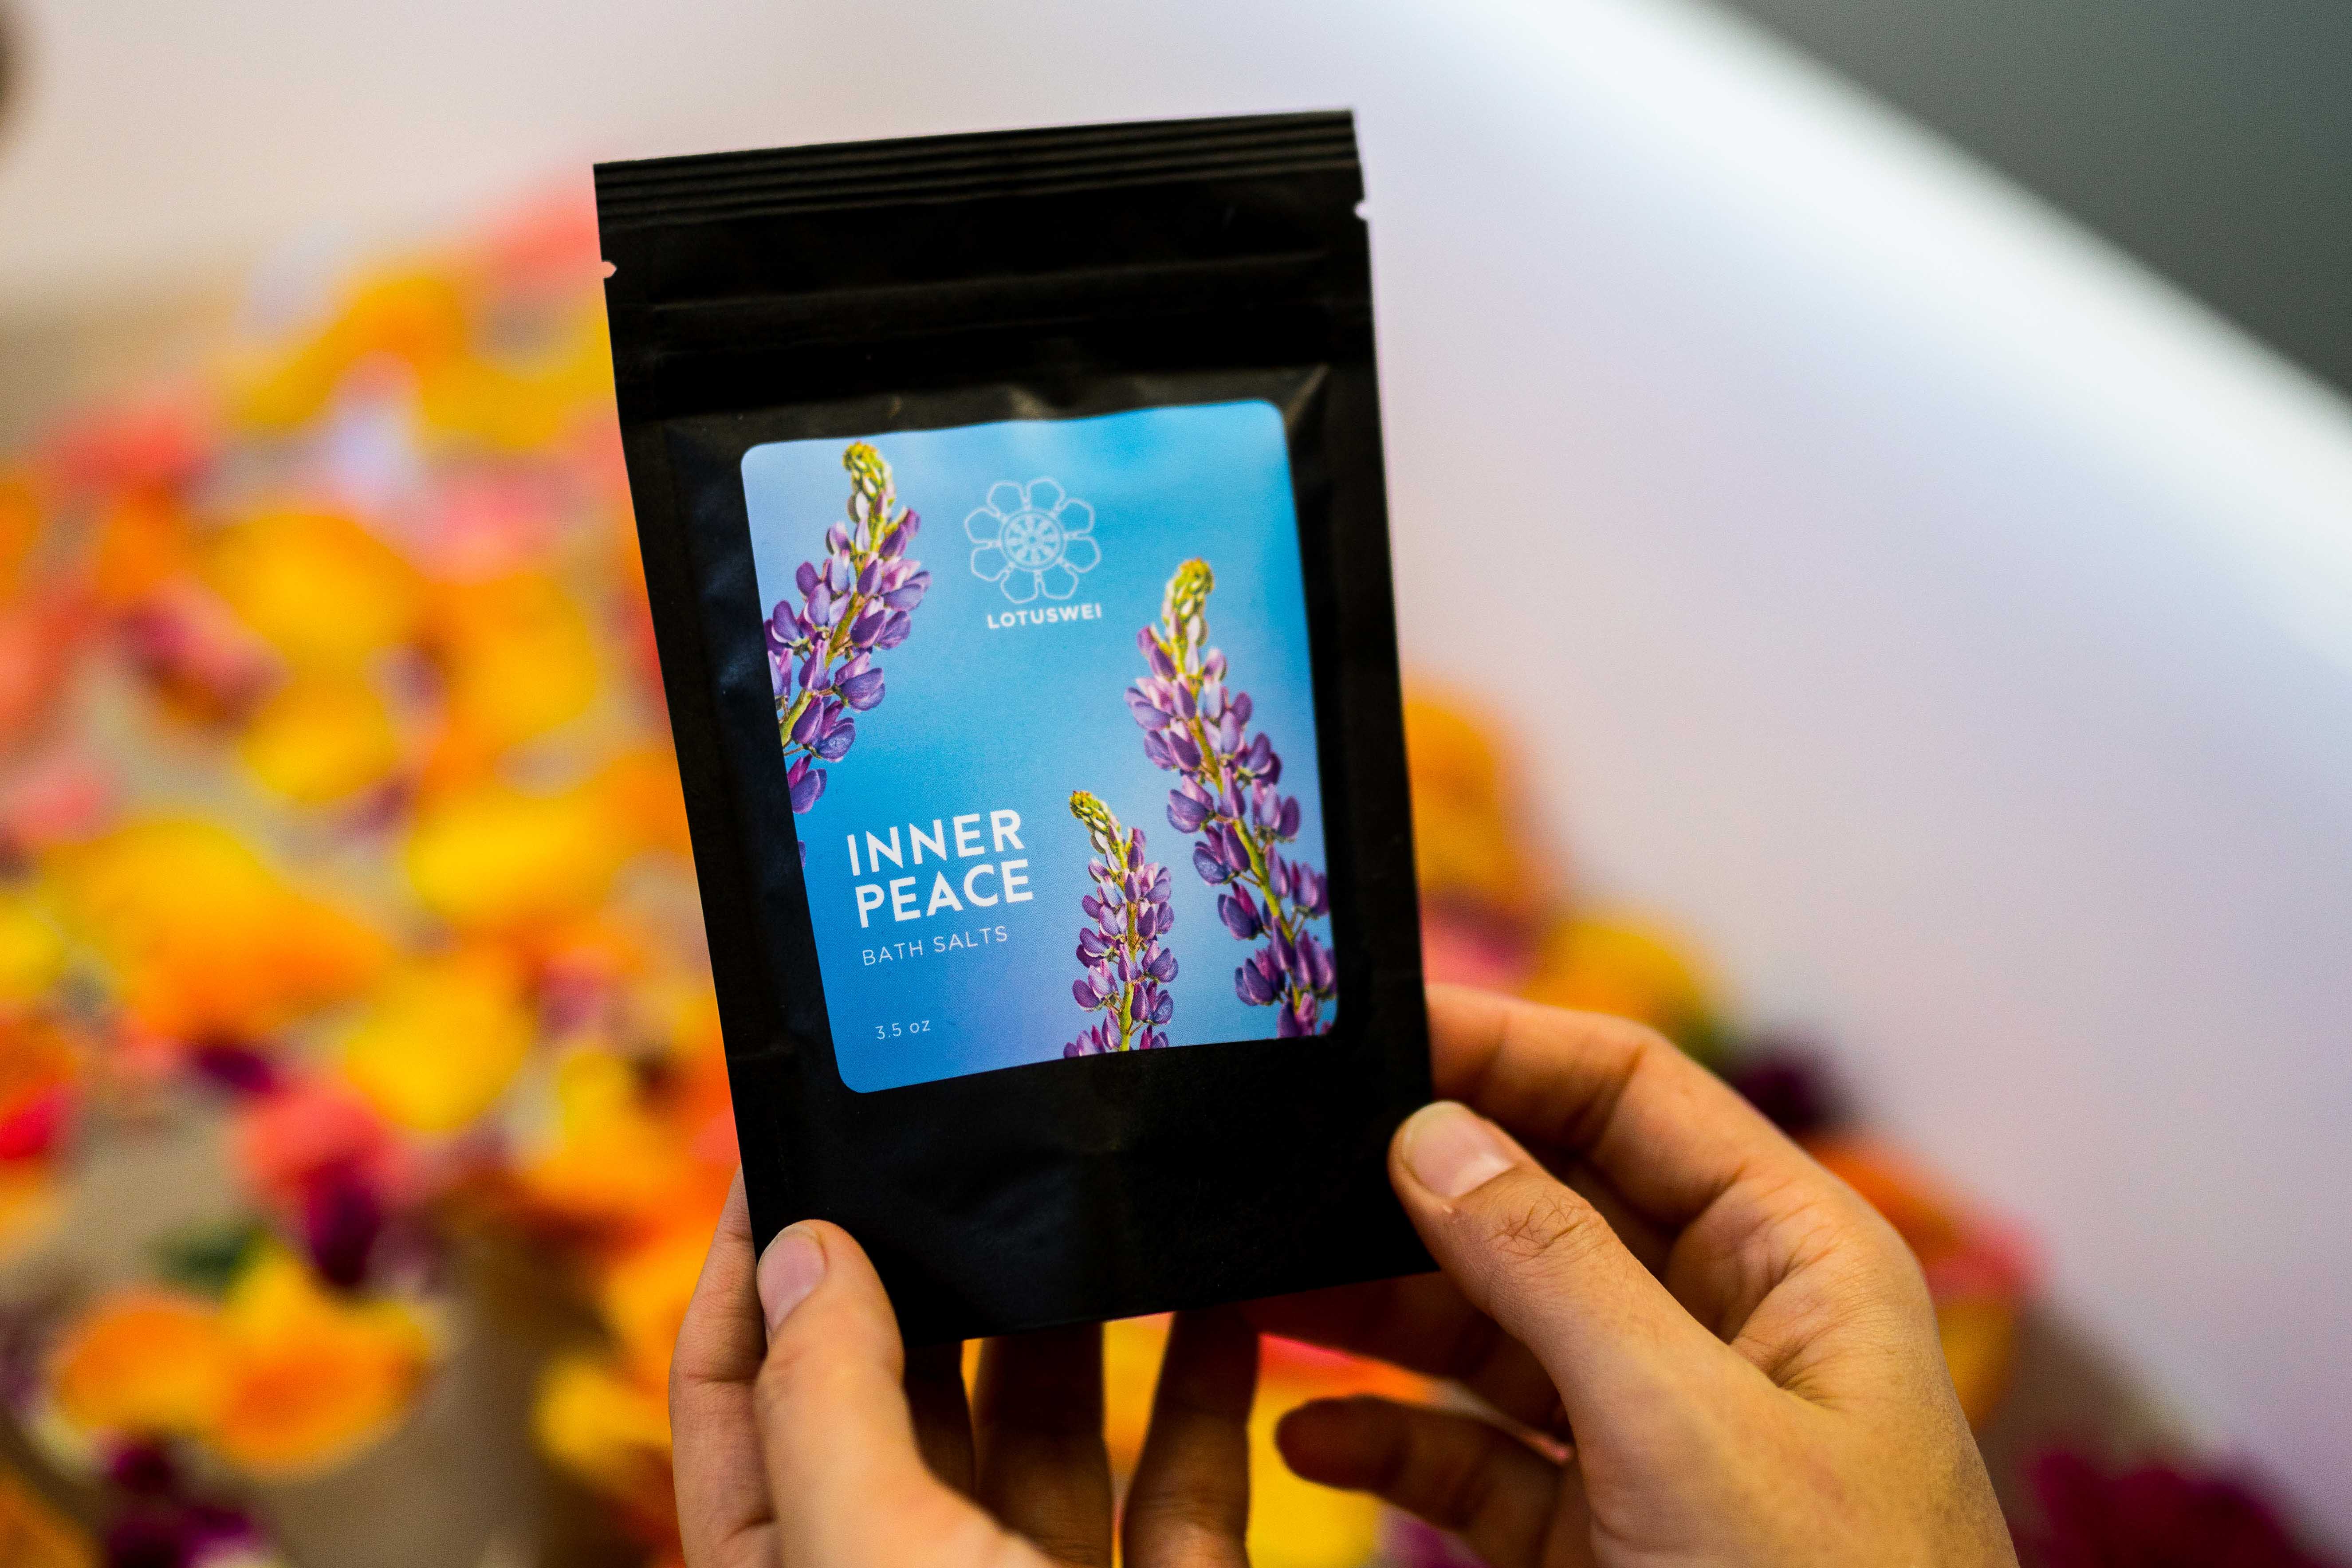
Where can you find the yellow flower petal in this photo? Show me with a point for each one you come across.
(32, 950)
(492, 857)
(1293, 1523)
(1624, 967)
(524, 403)
(1979, 1341)
(322, 738)
(441, 1041)
(617, 1164)
(606, 1427)
(317, 587)
(418, 318)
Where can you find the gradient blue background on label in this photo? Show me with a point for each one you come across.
(976, 719)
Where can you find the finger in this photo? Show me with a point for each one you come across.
(722, 1489)
(1731, 1206)
(942, 1413)
(1188, 1506)
(1665, 1133)
(847, 1484)
(1037, 1426)
(1422, 1324)
(1512, 1506)
(1540, 1260)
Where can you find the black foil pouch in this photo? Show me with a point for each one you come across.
(1011, 509)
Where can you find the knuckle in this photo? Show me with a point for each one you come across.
(1627, 1037)
(1200, 1520)
(1539, 1224)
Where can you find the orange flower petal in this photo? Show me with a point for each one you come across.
(41, 640)
(21, 521)
(204, 936)
(145, 538)
(518, 658)
(142, 1363)
(645, 1292)
(615, 1165)
(311, 1379)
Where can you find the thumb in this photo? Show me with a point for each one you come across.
(1539, 1259)
(847, 1483)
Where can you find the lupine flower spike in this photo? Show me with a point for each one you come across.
(860, 601)
(1225, 793)
(1127, 968)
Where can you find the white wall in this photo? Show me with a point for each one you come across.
(1946, 621)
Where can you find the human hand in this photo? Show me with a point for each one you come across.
(1707, 1349)
(819, 1443)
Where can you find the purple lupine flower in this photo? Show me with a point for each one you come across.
(1252, 981)
(838, 737)
(805, 783)
(1314, 892)
(1239, 911)
(1127, 966)
(858, 601)
(1185, 814)
(1227, 793)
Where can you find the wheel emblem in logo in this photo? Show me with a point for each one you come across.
(1031, 539)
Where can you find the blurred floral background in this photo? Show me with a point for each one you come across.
(363, 1109)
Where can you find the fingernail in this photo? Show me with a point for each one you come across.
(792, 1266)
(1450, 1149)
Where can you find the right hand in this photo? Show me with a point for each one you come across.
(1704, 1348)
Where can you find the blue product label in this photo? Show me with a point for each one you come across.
(1044, 692)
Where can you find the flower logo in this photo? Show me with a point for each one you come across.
(1033, 540)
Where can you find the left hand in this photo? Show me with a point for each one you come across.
(816, 1441)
